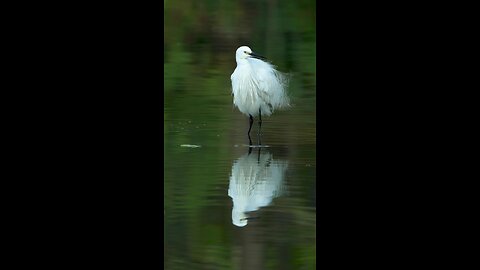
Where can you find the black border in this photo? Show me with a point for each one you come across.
(92, 91)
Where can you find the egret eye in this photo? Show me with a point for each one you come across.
(245, 51)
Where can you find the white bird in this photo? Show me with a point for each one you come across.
(254, 182)
(257, 87)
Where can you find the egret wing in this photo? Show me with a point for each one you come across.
(264, 82)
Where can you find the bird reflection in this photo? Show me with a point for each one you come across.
(256, 179)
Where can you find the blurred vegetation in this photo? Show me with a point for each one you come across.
(200, 40)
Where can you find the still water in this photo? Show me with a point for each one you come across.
(227, 205)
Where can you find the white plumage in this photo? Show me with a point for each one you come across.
(255, 180)
(257, 87)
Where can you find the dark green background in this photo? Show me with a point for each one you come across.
(200, 42)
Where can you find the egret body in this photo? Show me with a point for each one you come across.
(257, 87)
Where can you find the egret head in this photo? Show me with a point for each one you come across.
(245, 52)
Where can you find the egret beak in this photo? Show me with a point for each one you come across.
(257, 56)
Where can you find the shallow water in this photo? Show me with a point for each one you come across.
(227, 205)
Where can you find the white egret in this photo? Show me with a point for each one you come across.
(254, 182)
(257, 87)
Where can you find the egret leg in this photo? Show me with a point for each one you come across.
(250, 128)
(259, 127)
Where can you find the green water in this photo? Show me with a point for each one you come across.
(200, 42)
